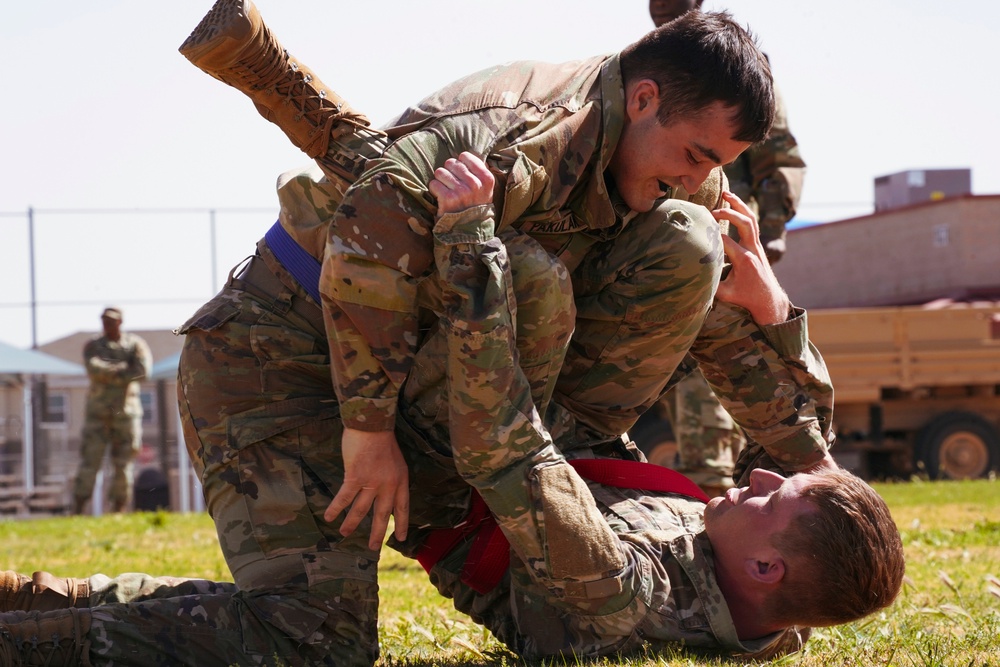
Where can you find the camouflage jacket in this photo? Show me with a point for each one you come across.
(668, 593)
(115, 369)
(547, 132)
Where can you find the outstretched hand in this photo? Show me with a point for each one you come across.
(751, 283)
(375, 477)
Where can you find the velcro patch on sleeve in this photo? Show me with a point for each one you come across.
(581, 544)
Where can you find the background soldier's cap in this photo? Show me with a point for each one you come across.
(112, 313)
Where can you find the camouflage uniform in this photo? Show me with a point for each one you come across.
(113, 414)
(262, 422)
(548, 133)
(634, 569)
(768, 177)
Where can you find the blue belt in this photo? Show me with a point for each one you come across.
(304, 267)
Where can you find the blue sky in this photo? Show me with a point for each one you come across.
(101, 112)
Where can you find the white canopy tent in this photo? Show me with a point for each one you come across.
(18, 364)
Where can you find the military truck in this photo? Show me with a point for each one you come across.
(904, 305)
(916, 391)
(916, 388)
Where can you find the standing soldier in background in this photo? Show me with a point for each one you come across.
(116, 362)
(768, 177)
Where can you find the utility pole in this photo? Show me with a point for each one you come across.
(31, 270)
(30, 429)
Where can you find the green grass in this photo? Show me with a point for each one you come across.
(948, 614)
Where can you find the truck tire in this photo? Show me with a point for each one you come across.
(958, 445)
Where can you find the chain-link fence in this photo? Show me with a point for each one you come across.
(59, 267)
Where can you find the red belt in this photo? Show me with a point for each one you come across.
(489, 556)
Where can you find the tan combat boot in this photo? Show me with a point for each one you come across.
(233, 44)
(41, 592)
(53, 638)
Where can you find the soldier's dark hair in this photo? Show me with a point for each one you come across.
(843, 561)
(702, 58)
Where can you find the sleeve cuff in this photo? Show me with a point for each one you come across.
(800, 451)
(369, 414)
(791, 337)
(471, 225)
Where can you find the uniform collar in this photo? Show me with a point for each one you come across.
(697, 559)
(594, 208)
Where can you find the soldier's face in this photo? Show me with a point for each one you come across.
(650, 156)
(748, 518)
(111, 326)
(662, 11)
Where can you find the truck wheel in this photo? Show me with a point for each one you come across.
(958, 445)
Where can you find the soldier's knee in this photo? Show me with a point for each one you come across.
(703, 237)
(539, 278)
(688, 245)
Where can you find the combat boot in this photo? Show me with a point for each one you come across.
(53, 638)
(11, 586)
(41, 592)
(232, 44)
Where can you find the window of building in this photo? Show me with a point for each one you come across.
(148, 399)
(942, 237)
(56, 409)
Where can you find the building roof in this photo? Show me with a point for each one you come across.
(163, 343)
(165, 369)
(32, 362)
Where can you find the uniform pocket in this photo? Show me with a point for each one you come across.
(295, 619)
(291, 361)
(222, 308)
(283, 497)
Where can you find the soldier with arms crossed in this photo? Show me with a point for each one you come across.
(116, 362)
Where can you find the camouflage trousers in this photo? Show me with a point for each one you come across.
(122, 434)
(708, 440)
(262, 427)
